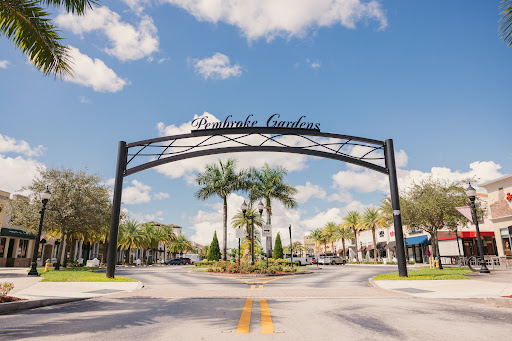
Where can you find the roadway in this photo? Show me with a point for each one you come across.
(334, 303)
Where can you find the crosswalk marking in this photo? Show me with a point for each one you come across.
(253, 287)
(245, 318)
(267, 327)
(261, 286)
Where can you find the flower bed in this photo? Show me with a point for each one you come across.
(260, 267)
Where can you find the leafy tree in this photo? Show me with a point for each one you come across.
(267, 184)
(214, 251)
(204, 251)
(430, 205)
(353, 221)
(372, 220)
(278, 248)
(221, 180)
(79, 206)
(28, 26)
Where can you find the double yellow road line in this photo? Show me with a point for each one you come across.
(267, 327)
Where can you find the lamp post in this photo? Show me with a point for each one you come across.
(45, 197)
(471, 193)
(243, 207)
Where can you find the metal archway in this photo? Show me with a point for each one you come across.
(360, 151)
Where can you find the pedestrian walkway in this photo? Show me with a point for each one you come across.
(497, 284)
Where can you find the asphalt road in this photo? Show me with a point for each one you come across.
(335, 303)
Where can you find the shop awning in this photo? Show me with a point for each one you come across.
(472, 234)
(416, 240)
(391, 245)
(6, 232)
(381, 245)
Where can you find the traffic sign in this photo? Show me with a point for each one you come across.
(240, 232)
(267, 230)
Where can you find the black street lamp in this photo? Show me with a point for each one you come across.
(471, 193)
(243, 207)
(45, 196)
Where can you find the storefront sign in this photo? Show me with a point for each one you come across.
(272, 122)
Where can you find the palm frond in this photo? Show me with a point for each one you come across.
(73, 6)
(506, 22)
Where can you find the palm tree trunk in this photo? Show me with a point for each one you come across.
(343, 242)
(127, 257)
(375, 254)
(104, 253)
(332, 248)
(355, 240)
(225, 236)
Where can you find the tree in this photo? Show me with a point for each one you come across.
(372, 220)
(353, 221)
(221, 180)
(506, 22)
(317, 236)
(278, 248)
(267, 184)
(343, 233)
(214, 251)
(330, 232)
(430, 205)
(182, 244)
(28, 26)
(129, 236)
(79, 206)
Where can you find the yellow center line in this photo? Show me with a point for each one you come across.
(253, 287)
(261, 286)
(245, 318)
(267, 327)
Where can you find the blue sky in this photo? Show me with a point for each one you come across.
(433, 76)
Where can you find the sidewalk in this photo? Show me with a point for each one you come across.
(40, 294)
(495, 285)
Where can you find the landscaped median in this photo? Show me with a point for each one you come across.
(425, 273)
(79, 274)
(275, 266)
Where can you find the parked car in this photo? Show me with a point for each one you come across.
(335, 260)
(175, 261)
(302, 260)
(324, 260)
(187, 260)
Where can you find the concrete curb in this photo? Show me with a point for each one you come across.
(12, 307)
(501, 302)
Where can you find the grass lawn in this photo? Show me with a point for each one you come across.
(78, 275)
(426, 274)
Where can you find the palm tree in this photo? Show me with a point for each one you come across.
(180, 244)
(343, 233)
(267, 184)
(241, 220)
(371, 220)
(330, 233)
(129, 236)
(221, 180)
(26, 24)
(506, 22)
(317, 236)
(353, 221)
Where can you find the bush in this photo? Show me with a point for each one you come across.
(259, 267)
(5, 287)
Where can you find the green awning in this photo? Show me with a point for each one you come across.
(5, 232)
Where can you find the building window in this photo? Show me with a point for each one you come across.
(22, 248)
(507, 248)
(2, 246)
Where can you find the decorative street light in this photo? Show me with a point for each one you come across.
(45, 197)
(243, 207)
(471, 193)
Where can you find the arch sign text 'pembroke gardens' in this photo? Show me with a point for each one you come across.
(272, 122)
(210, 136)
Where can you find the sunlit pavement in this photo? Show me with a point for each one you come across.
(332, 304)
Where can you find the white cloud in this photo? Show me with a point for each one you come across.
(136, 194)
(163, 60)
(93, 73)
(271, 18)
(217, 66)
(137, 6)
(17, 172)
(129, 42)
(84, 100)
(161, 196)
(308, 191)
(313, 64)
(10, 144)
(334, 214)
(187, 168)
(144, 217)
(4, 64)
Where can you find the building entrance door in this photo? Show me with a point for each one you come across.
(10, 258)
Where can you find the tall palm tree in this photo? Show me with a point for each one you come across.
(372, 220)
(240, 220)
(353, 221)
(129, 236)
(330, 231)
(343, 233)
(267, 184)
(180, 244)
(28, 26)
(317, 236)
(221, 180)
